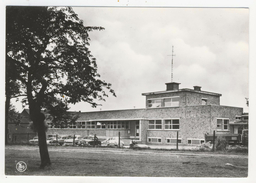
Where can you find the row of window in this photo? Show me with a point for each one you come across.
(158, 124)
(174, 140)
(94, 125)
(169, 124)
(168, 102)
(163, 102)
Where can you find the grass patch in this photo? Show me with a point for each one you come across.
(87, 161)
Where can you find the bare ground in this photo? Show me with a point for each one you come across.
(78, 161)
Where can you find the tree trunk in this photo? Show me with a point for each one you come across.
(38, 121)
(44, 154)
(7, 106)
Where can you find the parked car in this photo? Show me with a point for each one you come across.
(62, 138)
(53, 136)
(33, 141)
(71, 141)
(112, 141)
(89, 141)
(50, 141)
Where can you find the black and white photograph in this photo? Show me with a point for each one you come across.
(119, 91)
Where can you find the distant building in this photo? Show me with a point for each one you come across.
(20, 132)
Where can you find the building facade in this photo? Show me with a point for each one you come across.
(188, 114)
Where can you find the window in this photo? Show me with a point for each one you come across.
(109, 125)
(154, 139)
(164, 102)
(173, 140)
(90, 124)
(72, 125)
(80, 124)
(204, 101)
(222, 124)
(171, 124)
(172, 102)
(195, 141)
(154, 103)
(155, 124)
(238, 117)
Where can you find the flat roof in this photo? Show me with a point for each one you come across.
(182, 90)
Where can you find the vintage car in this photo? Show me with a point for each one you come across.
(89, 141)
(72, 141)
(62, 138)
(33, 141)
(112, 141)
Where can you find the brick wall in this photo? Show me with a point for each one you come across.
(195, 121)
(196, 99)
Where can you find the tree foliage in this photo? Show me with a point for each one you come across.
(48, 58)
(14, 116)
(48, 47)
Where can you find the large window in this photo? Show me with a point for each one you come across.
(155, 124)
(164, 102)
(172, 102)
(172, 124)
(222, 124)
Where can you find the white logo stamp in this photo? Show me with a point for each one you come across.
(21, 166)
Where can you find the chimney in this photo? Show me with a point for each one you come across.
(172, 86)
(197, 88)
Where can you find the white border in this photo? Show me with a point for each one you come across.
(149, 3)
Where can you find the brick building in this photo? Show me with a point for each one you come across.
(190, 112)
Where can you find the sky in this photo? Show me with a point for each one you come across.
(211, 48)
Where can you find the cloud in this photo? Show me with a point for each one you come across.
(210, 44)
